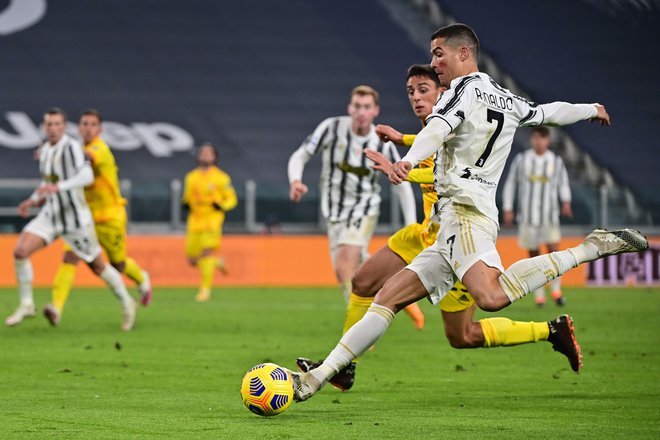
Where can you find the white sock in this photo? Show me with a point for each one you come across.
(113, 279)
(555, 285)
(24, 276)
(527, 275)
(346, 290)
(356, 341)
(584, 252)
(540, 293)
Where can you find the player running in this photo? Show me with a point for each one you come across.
(107, 205)
(64, 212)
(472, 126)
(208, 194)
(350, 193)
(541, 181)
(457, 307)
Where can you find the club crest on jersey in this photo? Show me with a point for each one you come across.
(52, 178)
(469, 175)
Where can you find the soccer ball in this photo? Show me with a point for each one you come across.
(267, 389)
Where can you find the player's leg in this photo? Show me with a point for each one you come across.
(555, 285)
(539, 294)
(494, 290)
(113, 280)
(62, 285)
(346, 260)
(27, 244)
(112, 238)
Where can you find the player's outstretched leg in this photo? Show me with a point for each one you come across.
(140, 277)
(528, 275)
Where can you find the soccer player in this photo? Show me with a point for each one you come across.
(423, 87)
(208, 194)
(107, 205)
(541, 181)
(350, 193)
(64, 212)
(472, 126)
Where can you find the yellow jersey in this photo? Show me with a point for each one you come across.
(103, 195)
(209, 194)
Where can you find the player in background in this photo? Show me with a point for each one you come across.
(64, 213)
(350, 193)
(539, 177)
(107, 205)
(473, 124)
(457, 308)
(208, 194)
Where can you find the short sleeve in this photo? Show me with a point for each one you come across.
(455, 103)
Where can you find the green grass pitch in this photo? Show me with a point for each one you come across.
(177, 375)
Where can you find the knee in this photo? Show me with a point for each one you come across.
(97, 266)
(361, 285)
(20, 253)
(70, 258)
(119, 266)
(491, 302)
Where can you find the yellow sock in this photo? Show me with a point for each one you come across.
(503, 332)
(207, 267)
(356, 309)
(62, 285)
(133, 271)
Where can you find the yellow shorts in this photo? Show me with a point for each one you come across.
(411, 240)
(196, 242)
(457, 300)
(112, 238)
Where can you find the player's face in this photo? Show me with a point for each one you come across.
(445, 60)
(540, 143)
(89, 128)
(422, 94)
(54, 125)
(363, 110)
(206, 156)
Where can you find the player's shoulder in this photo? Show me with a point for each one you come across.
(70, 140)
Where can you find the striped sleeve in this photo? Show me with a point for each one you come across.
(316, 141)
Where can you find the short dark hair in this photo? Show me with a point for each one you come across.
(207, 144)
(459, 33)
(423, 70)
(92, 112)
(542, 130)
(56, 111)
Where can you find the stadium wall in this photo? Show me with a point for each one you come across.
(253, 260)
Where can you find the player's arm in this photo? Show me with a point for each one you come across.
(227, 200)
(82, 176)
(564, 113)
(450, 111)
(389, 134)
(404, 191)
(312, 145)
(384, 165)
(35, 200)
(564, 189)
(186, 198)
(509, 190)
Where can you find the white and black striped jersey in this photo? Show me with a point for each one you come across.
(476, 119)
(541, 182)
(68, 209)
(349, 187)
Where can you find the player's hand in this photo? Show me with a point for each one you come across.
(388, 134)
(297, 191)
(400, 171)
(47, 189)
(382, 163)
(566, 210)
(24, 208)
(508, 218)
(602, 116)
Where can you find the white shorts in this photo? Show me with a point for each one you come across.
(83, 240)
(355, 233)
(532, 237)
(466, 236)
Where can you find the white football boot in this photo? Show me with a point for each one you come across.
(305, 385)
(146, 294)
(617, 242)
(128, 318)
(23, 311)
